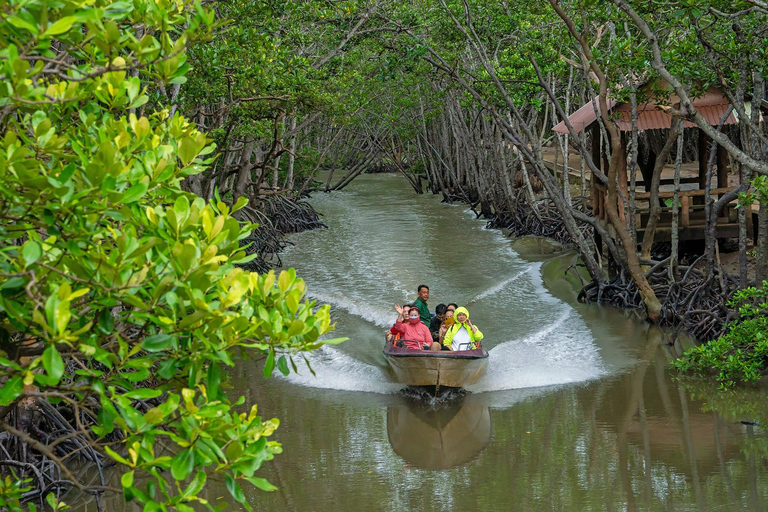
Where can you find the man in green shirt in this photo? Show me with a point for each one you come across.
(421, 303)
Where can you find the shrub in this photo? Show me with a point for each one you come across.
(741, 355)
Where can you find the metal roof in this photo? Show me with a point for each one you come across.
(712, 105)
(583, 117)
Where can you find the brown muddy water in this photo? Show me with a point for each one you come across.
(578, 410)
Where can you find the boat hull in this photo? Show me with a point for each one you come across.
(440, 369)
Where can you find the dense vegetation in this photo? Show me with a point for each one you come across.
(142, 140)
(122, 303)
(741, 354)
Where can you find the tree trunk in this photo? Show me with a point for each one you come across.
(244, 174)
(675, 235)
(291, 156)
(653, 201)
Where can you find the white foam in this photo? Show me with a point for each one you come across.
(378, 315)
(336, 370)
(502, 285)
(559, 353)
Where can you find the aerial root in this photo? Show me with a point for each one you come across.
(694, 303)
(544, 222)
(276, 216)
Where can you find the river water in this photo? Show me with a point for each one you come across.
(577, 410)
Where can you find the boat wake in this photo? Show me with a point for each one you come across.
(556, 354)
(336, 370)
(380, 316)
(493, 291)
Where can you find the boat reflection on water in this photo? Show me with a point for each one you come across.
(439, 437)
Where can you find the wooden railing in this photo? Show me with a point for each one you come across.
(685, 202)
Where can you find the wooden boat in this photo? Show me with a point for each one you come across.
(440, 369)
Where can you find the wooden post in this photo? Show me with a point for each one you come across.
(703, 144)
(595, 134)
(722, 167)
(685, 212)
(602, 204)
(703, 158)
(622, 177)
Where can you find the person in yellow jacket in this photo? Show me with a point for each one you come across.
(462, 335)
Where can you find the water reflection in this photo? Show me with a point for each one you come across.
(438, 437)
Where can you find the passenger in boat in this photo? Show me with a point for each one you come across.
(463, 335)
(437, 321)
(414, 333)
(452, 307)
(421, 304)
(447, 323)
(402, 315)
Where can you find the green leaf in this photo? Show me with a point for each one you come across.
(167, 369)
(157, 342)
(31, 252)
(297, 326)
(141, 100)
(181, 205)
(22, 24)
(187, 150)
(333, 341)
(11, 390)
(106, 322)
(154, 416)
(261, 483)
(269, 365)
(143, 393)
(234, 450)
(116, 456)
(61, 26)
(127, 479)
(234, 489)
(183, 464)
(196, 486)
(282, 365)
(53, 363)
(214, 380)
(13, 283)
(284, 281)
(240, 203)
(134, 193)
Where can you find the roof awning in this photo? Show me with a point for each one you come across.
(583, 117)
(650, 116)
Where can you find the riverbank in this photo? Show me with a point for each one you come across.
(559, 276)
(694, 302)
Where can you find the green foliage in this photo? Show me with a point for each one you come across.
(118, 286)
(758, 191)
(741, 355)
(12, 489)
